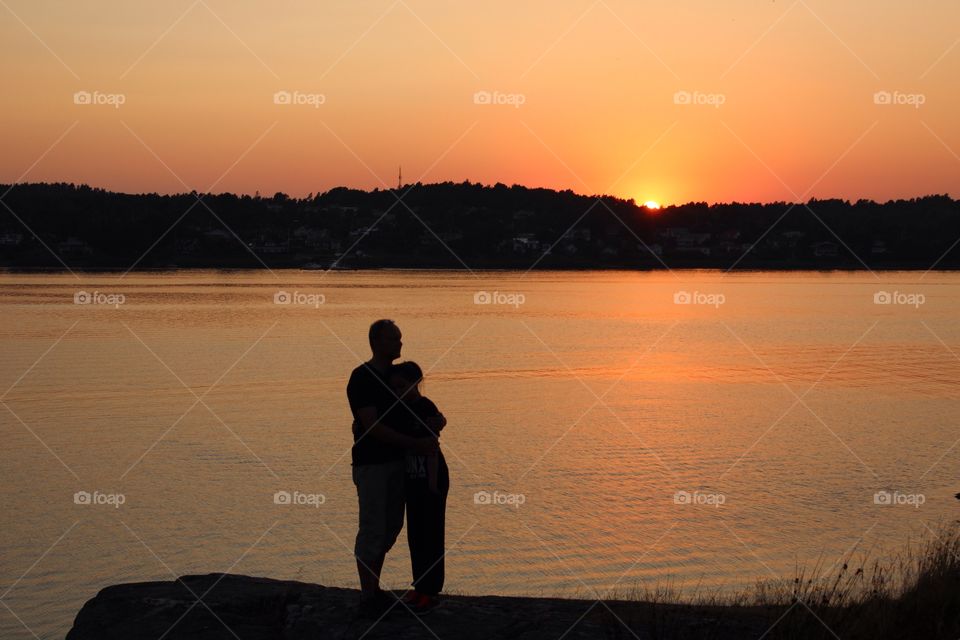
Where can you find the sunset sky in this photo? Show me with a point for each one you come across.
(668, 101)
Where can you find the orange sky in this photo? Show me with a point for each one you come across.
(779, 103)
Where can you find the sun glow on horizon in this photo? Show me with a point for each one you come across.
(652, 204)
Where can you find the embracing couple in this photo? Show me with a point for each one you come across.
(397, 466)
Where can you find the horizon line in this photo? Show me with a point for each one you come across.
(9, 187)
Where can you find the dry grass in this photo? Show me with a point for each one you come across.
(915, 595)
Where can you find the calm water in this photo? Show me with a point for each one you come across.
(586, 405)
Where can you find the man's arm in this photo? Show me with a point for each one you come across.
(371, 426)
(437, 423)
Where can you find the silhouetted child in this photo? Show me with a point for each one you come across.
(405, 379)
(426, 486)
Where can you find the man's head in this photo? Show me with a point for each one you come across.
(385, 340)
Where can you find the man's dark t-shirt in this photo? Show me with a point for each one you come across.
(368, 388)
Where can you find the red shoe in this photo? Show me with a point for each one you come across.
(425, 604)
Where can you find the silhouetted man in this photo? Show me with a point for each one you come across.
(378, 463)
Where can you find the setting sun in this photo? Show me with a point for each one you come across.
(651, 204)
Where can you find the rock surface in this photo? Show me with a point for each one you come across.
(228, 606)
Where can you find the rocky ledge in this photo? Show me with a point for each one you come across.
(227, 606)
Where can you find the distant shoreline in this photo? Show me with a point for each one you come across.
(466, 226)
(887, 268)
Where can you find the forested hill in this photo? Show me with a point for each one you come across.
(463, 225)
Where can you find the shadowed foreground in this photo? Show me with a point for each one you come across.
(914, 596)
(260, 608)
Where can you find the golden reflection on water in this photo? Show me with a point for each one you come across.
(598, 399)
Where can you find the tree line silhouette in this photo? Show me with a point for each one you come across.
(450, 225)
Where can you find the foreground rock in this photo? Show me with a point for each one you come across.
(248, 608)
